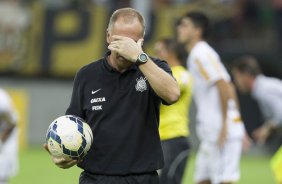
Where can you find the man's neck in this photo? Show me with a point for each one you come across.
(114, 65)
(192, 44)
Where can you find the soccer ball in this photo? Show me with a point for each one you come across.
(69, 137)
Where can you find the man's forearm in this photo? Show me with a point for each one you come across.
(224, 96)
(163, 84)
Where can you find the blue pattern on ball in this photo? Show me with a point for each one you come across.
(52, 134)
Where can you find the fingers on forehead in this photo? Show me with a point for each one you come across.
(117, 37)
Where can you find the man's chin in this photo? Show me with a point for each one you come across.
(121, 59)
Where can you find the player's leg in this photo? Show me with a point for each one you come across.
(9, 158)
(180, 159)
(176, 152)
(202, 173)
(226, 170)
(4, 164)
(167, 152)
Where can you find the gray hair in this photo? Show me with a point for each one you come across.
(129, 15)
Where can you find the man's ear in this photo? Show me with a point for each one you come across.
(140, 42)
(108, 37)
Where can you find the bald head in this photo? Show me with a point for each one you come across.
(127, 16)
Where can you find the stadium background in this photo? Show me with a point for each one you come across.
(43, 44)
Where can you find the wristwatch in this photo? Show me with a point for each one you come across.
(142, 59)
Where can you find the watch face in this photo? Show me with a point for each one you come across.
(143, 57)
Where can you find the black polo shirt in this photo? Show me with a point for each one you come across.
(123, 112)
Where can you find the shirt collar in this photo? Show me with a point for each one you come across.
(106, 62)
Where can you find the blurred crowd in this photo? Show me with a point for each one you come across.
(239, 25)
(233, 19)
(230, 16)
(14, 20)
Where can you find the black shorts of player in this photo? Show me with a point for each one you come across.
(144, 178)
(176, 153)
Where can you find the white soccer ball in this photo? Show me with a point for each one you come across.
(69, 137)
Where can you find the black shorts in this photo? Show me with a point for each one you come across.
(144, 178)
(176, 153)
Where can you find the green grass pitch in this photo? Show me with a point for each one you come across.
(36, 167)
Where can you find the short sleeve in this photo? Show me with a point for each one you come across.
(76, 106)
(210, 68)
(163, 65)
(272, 108)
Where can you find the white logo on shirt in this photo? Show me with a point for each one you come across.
(93, 92)
(97, 108)
(94, 100)
(141, 84)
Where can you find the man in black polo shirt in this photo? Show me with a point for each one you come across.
(119, 96)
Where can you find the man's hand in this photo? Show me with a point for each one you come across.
(126, 47)
(61, 161)
(261, 134)
(247, 142)
(222, 136)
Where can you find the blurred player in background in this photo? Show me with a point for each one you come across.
(174, 120)
(119, 96)
(8, 138)
(219, 125)
(268, 92)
